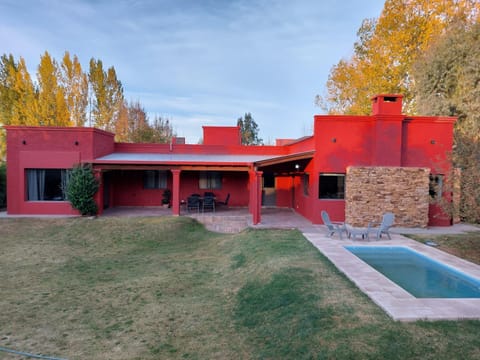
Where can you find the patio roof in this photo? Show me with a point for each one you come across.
(219, 160)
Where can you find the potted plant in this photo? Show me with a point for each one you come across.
(166, 196)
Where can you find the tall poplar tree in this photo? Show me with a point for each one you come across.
(107, 94)
(75, 83)
(18, 98)
(52, 106)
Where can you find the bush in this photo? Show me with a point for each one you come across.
(81, 187)
(3, 185)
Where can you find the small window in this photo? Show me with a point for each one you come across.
(210, 180)
(154, 179)
(331, 186)
(306, 184)
(435, 188)
(46, 184)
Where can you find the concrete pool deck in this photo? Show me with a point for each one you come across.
(395, 301)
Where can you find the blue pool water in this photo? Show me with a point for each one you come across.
(418, 274)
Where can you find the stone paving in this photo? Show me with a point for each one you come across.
(394, 300)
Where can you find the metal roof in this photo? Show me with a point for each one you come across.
(151, 158)
(209, 160)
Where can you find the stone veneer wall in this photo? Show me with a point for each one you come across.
(372, 191)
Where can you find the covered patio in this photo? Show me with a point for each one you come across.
(224, 220)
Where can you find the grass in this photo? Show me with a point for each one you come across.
(465, 246)
(165, 288)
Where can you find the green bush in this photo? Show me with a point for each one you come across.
(3, 185)
(81, 187)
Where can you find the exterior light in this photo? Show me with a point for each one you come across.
(297, 167)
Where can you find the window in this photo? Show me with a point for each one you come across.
(306, 184)
(332, 186)
(46, 184)
(210, 180)
(154, 179)
(435, 187)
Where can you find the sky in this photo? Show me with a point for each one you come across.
(199, 62)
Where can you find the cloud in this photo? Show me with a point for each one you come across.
(208, 60)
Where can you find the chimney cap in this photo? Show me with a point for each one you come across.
(387, 104)
(393, 96)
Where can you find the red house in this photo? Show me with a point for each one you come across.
(346, 166)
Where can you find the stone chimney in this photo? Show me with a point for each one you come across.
(387, 104)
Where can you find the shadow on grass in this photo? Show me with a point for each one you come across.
(282, 314)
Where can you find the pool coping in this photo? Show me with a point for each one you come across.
(395, 301)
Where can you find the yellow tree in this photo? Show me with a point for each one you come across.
(387, 49)
(52, 106)
(18, 100)
(108, 95)
(75, 83)
(122, 126)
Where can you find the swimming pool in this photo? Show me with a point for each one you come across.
(418, 274)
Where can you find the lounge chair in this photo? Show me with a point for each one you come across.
(382, 228)
(224, 203)
(333, 226)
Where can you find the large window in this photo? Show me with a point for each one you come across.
(154, 179)
(46, 184)
(210, 180)
(332, 186)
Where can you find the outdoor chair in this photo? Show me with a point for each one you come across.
(224, 203)
(333, 226)
(208, 203)
(382, 228)
(193, 203)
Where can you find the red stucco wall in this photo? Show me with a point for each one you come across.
(387, 138)
(47, 148)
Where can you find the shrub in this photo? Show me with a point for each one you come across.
(3, 185)
(81, 187)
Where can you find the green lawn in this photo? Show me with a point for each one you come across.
(165, 288)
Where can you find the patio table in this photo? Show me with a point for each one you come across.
(353, 232)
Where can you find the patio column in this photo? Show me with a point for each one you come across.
(98, 197)
(175, 191)
(255, 203)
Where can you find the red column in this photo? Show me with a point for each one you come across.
(255, 203)
(176, 192)
(98, 197)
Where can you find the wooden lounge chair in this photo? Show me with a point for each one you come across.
(333, 226)
(382, 228)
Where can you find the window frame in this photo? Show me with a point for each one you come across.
(45, 188)
(435, 186)
(155, 179)
(338, 193)
(210, 180)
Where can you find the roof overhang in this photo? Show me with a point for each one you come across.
(285, 158)
(217, 162)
